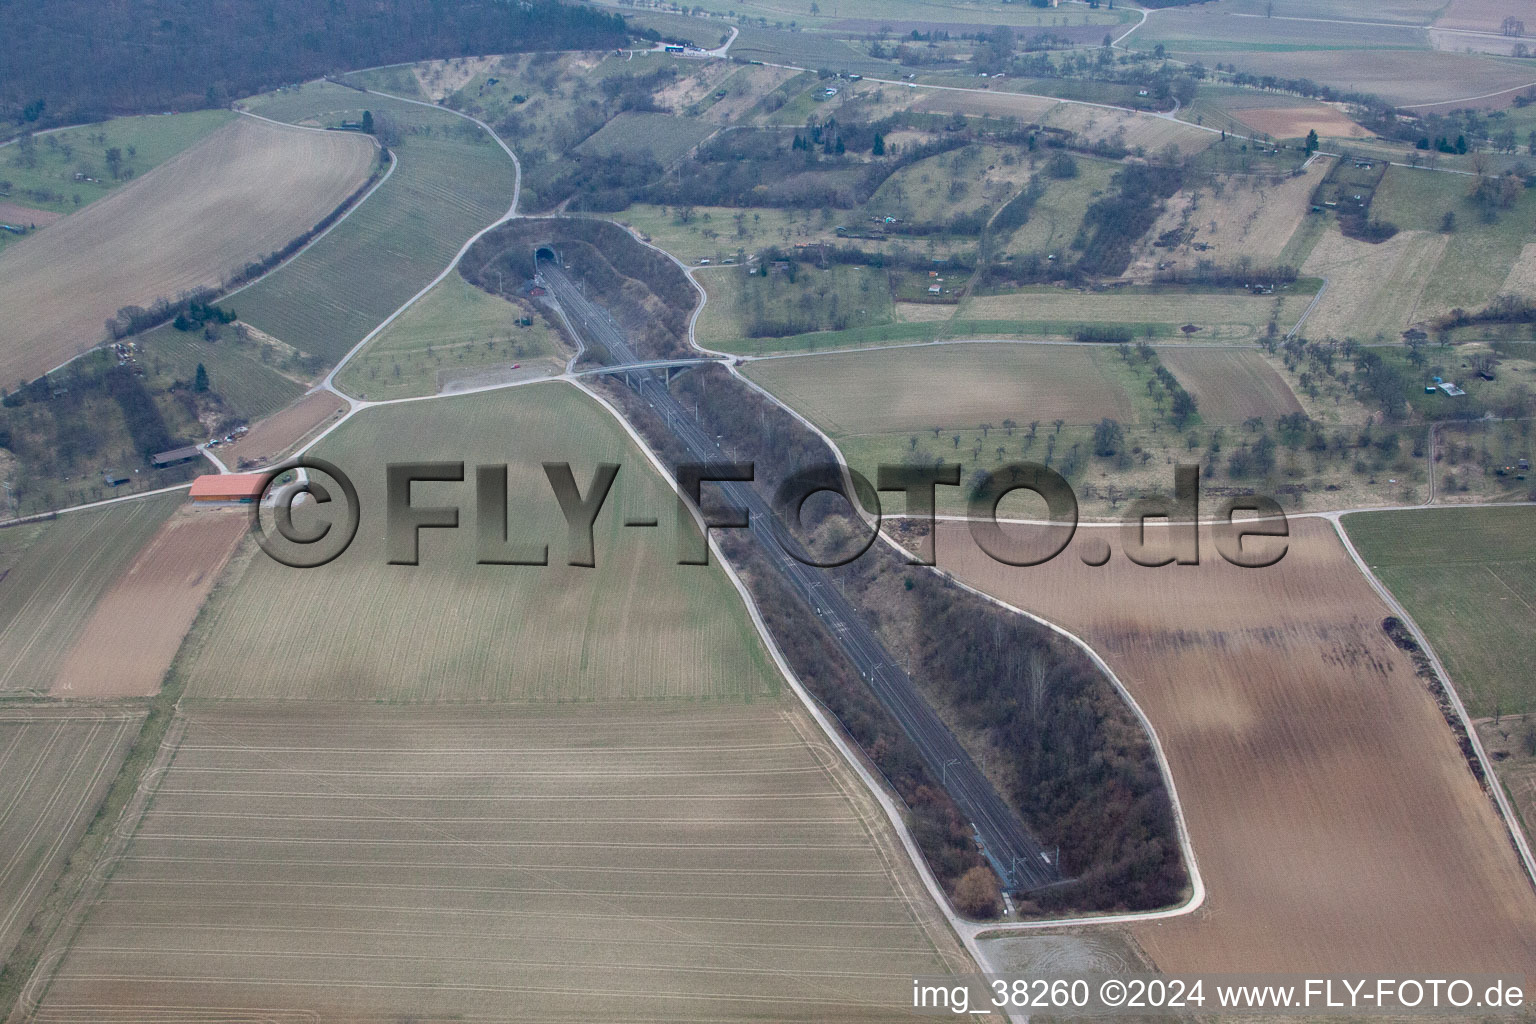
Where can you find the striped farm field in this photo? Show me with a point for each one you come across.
(636, 626)
(53, 572)
(55, 765)
(450, 180)
(1332, 813)
(659, 861)
(1221, 316)
(1231, 384)
(246, 189)
(245, 374)
(127, 645)
(915, 388)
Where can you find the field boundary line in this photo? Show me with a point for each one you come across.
(221, 296)
(1495, 784)
(328, 382)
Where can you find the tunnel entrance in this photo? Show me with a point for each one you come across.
(545, 252)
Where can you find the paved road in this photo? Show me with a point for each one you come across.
(1013, 852)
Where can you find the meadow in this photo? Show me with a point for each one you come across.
(41, 173)
(1187, 31)
(1241, 216)
(1478, 255)
(54, 573)
(743, 305)
(454, 331)
(1224, 316)
(948, 386)
(1058, 214)
(663, 137)
(254, 379)
(243, 191)
(1468, 578)
(637, 626)
(1330, 808)
(451, 181)
(664, 861)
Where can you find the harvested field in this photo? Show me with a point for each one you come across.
(1330, 808)
(450, 181)
(896, 389)
(1468, 578)
(1403, 12)
(1231, 384)
(1254, 216)
(281, 433)
(1477, 15)
(1130, 129)
(1371, 288)
(127, 645)
(26, 216)
(659, 862)
(1413, 78)
(1025, 107)
(55, 766)
(636, 626)
(1221, 316)
(1295, 122)
(1522, 276)
(245, 190)
(53, 574)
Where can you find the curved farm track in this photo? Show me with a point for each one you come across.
(244, 191)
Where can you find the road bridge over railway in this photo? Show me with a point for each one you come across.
(1017, 857)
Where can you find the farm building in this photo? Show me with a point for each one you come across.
(226, 487)
(174, 456)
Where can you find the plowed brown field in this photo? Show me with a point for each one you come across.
(1335, 822)
(242, 192)
(137, 626)
(281, 432)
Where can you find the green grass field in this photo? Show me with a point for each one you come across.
(453, 330)
(397, 81)
(836, 298)
(42, 172)
(252, 378)
(1058, 214)
(1225, 316)
(54, 571)
(451, 181)
(1468, 578)
(637, 626)
(1197, 31)
(952, 386)
(1478, 254)
(664, 137)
